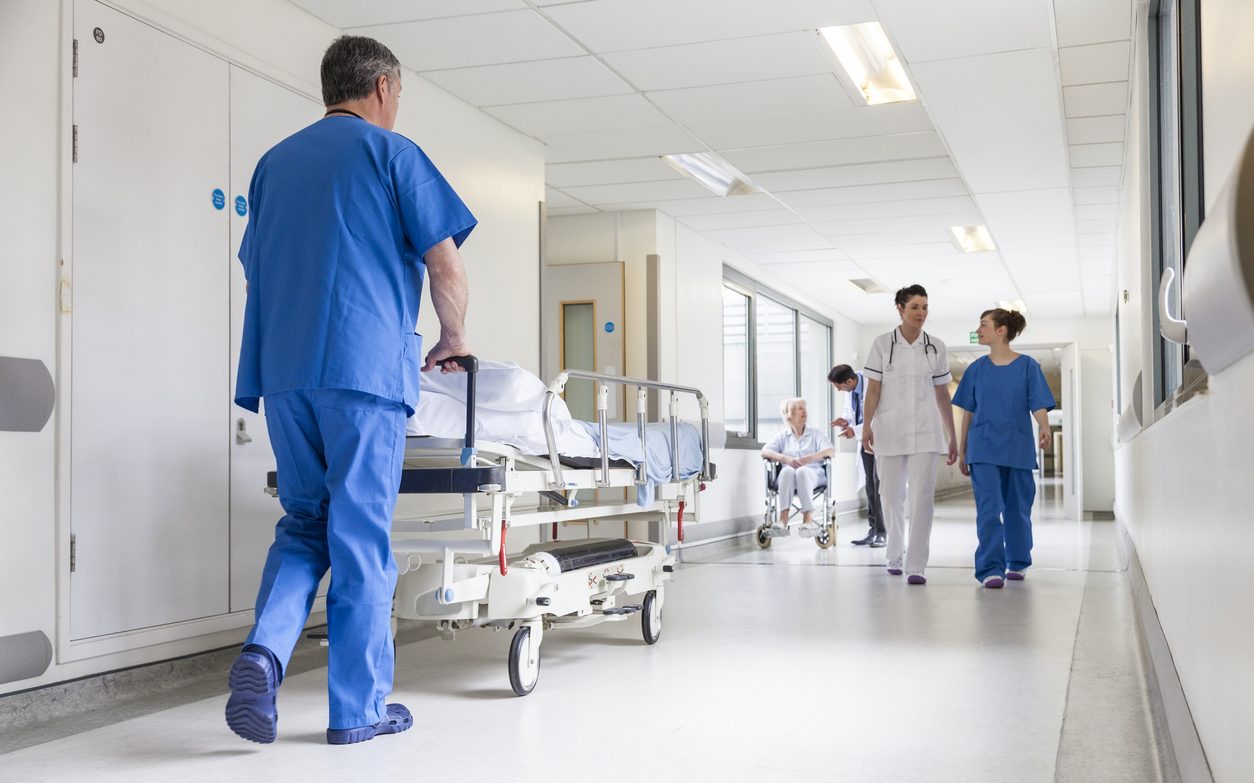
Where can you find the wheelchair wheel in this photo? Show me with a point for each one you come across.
(826, 536)
(764, 540)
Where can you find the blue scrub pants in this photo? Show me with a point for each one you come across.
(339, 457)
(1003, 518)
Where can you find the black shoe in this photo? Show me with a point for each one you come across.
(878, 541)
(869, 540)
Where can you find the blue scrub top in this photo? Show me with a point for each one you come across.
(1001, 401)
(341, 214)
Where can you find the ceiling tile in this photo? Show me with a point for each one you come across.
(530, 82)
(1096, 211)
(1087, 155)
(769, 217)
(938, 225)
(801, 256)
(889, 209)
(945, 251)
(1094, 226)
(1059, 305)
(1096, 130)
(869, 194)
(770, 238)
(464, 41)
(352, 13)
(556, 199)
(1096, 240)
(1096, 63)
(1096, 177)
(999, 114)
(564, 211)
(1052, 270)
(637, 191)
(1084, 196)
(721, 62)
(1029, 219)
(840, 152)
(1092, 100)
(838, 121)
(614, 113)
(861, 174)
(748, 100)
(712, 205)
(618, 25)
(1087, 21)
(609, 172)
(943, 31)
(607, 145)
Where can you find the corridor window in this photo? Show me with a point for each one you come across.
(1176, 172)
(773, 349)
(736, 386)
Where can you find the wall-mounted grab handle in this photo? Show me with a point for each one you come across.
(1171, 328)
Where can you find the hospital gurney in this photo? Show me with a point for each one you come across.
(454, 569)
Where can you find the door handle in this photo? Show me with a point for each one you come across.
(241, 432)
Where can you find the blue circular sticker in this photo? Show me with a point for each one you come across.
(609, 327)
(241, 206)
(219, 198)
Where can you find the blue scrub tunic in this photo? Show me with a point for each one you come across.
(1001, 401)
(341, 215)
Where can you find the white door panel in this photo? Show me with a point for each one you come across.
(262, 114)
(149, 384)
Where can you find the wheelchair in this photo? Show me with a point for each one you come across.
(822, 530)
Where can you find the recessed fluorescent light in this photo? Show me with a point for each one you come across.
(869, 286)
(716, 174)
(866, 55)
(973, 239)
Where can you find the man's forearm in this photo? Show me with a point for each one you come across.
(450, 290)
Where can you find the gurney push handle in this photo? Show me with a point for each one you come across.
(470, 364)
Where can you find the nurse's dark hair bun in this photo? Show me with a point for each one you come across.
(904, 294)
(1013, 320)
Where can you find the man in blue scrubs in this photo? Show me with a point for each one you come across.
(347, 218)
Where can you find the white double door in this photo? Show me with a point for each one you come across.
(166, 506)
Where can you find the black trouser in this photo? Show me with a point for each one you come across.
(874, 516)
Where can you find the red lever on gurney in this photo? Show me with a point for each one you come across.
(681, 522)
(503, 567)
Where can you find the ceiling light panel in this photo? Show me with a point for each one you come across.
(867, 56)
(973, 239)
(715, 174)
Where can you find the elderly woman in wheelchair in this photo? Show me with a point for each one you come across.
(798, 461)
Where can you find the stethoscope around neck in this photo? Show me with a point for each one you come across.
(927, 346)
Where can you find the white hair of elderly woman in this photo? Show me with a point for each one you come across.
(785, 407)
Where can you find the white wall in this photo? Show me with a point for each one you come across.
(1183, 488)
(497, 171)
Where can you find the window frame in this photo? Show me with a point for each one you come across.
(742, 283)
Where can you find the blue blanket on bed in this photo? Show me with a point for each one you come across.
(624, 444)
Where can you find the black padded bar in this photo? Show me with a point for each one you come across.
(574, 555)
(432, 481)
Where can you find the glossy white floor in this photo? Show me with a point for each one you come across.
(772, 666)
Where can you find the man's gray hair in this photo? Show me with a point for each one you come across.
(351, 66)
(785, 407)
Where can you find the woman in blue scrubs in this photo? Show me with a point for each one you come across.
(1001, 393)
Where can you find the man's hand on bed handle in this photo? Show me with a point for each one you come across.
(450, 356)
(469, 363)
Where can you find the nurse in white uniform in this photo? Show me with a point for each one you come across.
(908, 423)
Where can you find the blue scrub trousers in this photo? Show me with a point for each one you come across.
(339, 456)
(1003, 518)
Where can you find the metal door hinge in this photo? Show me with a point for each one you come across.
(75, 58)
(73, 552)
(74, 151)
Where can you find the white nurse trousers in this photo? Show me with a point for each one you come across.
(918, 472)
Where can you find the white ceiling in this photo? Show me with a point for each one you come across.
(1019, 126)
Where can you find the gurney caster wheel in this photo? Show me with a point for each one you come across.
(764, 540)
(826, 536)
(524, 663)
(651, 618)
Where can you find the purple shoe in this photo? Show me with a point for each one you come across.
(917, 579)
(397, 720)
(994, 582)
(1015, 576)
(894, 571)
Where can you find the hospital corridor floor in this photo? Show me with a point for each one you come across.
(790, 664)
